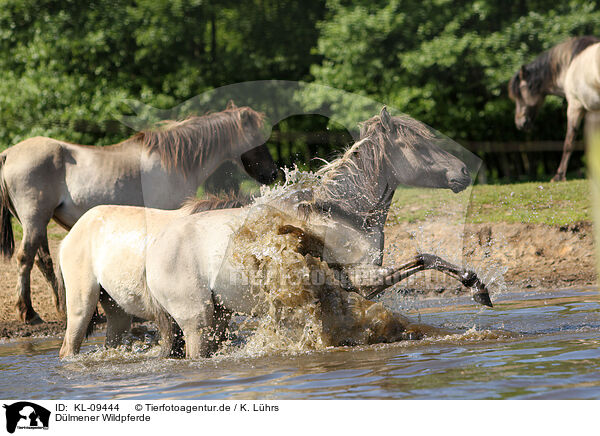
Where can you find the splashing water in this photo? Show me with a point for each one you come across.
(301, 304)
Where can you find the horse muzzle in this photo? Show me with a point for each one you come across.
(459, 184)
(524, 124)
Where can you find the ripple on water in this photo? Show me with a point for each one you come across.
(556, 354)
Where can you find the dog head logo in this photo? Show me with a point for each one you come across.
(26, 415)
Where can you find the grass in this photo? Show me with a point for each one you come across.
(533, 202)
(55, 231)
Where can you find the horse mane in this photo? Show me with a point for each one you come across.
(185, 145)
(546, 68)
(360, 164)
(228, 200)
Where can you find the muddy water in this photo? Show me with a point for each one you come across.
(556, 354)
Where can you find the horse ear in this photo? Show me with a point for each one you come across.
(386, 119)
(231, 105)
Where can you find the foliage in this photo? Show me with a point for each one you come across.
(67, 66)
(447, 63)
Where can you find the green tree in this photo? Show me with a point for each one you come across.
(444, 62)
(67, 66)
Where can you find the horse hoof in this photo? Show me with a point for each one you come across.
(33, 319)
(483, 298)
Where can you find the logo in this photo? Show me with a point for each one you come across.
(26, 415)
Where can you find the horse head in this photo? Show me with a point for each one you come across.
(257, 160)
(414, 156)
(528, 98)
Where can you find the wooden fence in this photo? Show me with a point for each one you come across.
(509, 160)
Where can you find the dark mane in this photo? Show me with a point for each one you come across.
(543, 71)
(185, 145)
(513, 87)
(580, 44)
(229, 200)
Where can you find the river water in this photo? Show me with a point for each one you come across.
(552, 353)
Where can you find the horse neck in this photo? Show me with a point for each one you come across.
(364, 207)
(556, 62)
(556, 86)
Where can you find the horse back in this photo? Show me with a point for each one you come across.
(582, 81)
(87, 254)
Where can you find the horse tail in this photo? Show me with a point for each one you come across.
(172, 343)
(7, 240)
(171, 335)
(96, 318)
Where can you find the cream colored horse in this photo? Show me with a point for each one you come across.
(43, 179)
(156, 264)
(571, 70)
(106, 249)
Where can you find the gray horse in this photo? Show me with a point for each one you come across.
(43, 179)
(180, 263)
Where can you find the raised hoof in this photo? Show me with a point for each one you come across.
(483, 298)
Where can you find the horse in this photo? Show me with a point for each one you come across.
(177, 263)
(43, 178)
(570, 69)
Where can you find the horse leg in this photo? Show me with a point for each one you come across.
(82, 298)
(385, 278)
(118, 322)
(44, 263)
(575, 114)
(198, 342)
(199, 333)
(33, 235)
(171, 337)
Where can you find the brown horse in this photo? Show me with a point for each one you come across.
(43, 179)
(570, 69)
